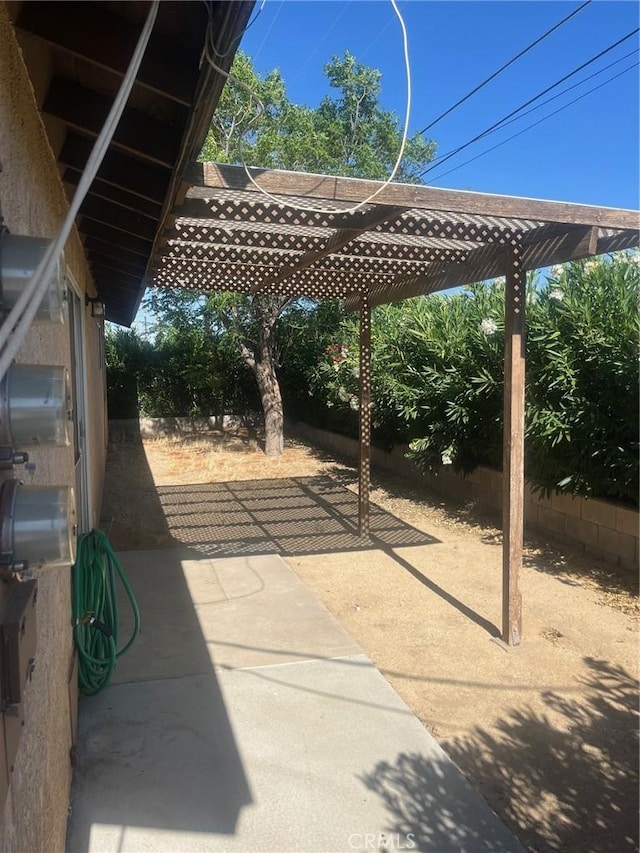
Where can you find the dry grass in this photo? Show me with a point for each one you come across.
(225, 457)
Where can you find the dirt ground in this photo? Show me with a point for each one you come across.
(546, 732)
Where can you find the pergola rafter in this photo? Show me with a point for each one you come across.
(409, 240)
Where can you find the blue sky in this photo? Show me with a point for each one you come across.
(587, 153)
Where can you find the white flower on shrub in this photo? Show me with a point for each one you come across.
(343, 394)
(446, 459)
(489, 326)
(355, 405)
(556, 295)
(330, 404)
(556, 270)
(591, 266)
(356, 372)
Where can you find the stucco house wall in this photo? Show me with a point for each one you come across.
(32, 202)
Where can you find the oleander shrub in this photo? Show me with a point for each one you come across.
(438, 377)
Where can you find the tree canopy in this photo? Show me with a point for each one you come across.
(348, 133)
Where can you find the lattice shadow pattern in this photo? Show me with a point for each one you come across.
(302, 515)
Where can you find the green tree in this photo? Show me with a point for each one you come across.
(125, 356)
(195, 368)
(347, 134)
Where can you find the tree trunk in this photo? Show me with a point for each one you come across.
(272, 408)
(266, 311)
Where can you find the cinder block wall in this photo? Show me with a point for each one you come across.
(604, 530)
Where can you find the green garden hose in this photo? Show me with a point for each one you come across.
(95, 611)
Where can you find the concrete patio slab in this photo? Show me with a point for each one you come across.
(313, 753)
(198, 613)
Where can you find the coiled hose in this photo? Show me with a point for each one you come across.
(95, 611)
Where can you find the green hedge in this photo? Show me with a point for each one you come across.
(438, 377)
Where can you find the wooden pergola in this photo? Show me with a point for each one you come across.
(229, 233)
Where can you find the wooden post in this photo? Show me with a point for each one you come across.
(365, 417)
(513, 448)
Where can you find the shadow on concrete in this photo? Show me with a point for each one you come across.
(132, 515)
(423, 798)
(161, 755)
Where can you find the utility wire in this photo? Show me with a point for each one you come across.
(236, 41)
(363, 53)
(535, 124)
(266, 35)
(333, 25)
(568, 89)
(555, 97)
(505, 66)
(444, 157)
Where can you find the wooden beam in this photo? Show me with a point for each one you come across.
(110, 283)
(108, 40)
(576, 245)
(481, 264)
(105, 249)
(120, 170)
(221, 252)
(109, 265)
(489, 261)
(513, 448)
(111, 214)
(115, 237)
(136, 133)
(364, 480)
(407, 195)
(197, 234)
(100, 189)
(261, 277)
(238, 278)
(108, 272)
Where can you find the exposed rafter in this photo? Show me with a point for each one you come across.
(85, 111)
(106, 39)
(77, 54)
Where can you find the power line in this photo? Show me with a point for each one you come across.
(363, 53)
(444, 157)
(266, 35)
(554, 97)
(568, 89)
(535, 124)
(505, 66)
(321, 42)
